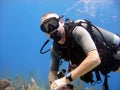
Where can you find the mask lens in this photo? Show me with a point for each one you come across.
(50, 25)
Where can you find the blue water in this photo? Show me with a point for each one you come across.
(21, 38)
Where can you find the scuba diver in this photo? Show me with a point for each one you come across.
(85, 46)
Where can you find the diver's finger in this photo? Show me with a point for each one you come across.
(53, 85)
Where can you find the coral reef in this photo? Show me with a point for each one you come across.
(21, 83)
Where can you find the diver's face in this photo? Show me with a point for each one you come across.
(53, 27)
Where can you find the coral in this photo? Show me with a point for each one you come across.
(34, 83)
(10, 88)
(3, 84)
(27, 86)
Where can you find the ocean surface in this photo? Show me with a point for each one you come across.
(21, 37)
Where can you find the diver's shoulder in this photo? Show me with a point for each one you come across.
(79, 20)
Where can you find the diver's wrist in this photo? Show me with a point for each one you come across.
(69, 77)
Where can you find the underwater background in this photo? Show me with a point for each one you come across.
(21, 38)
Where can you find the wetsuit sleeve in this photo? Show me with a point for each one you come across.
(84, 39)
(54, 60)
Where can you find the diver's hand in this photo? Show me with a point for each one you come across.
(60, 83)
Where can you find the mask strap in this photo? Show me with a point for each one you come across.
(41, 50)
(60, 17)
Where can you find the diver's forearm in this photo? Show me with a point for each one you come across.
(90, 62)
(52, 76)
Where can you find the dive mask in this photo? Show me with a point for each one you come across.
(49, 25)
